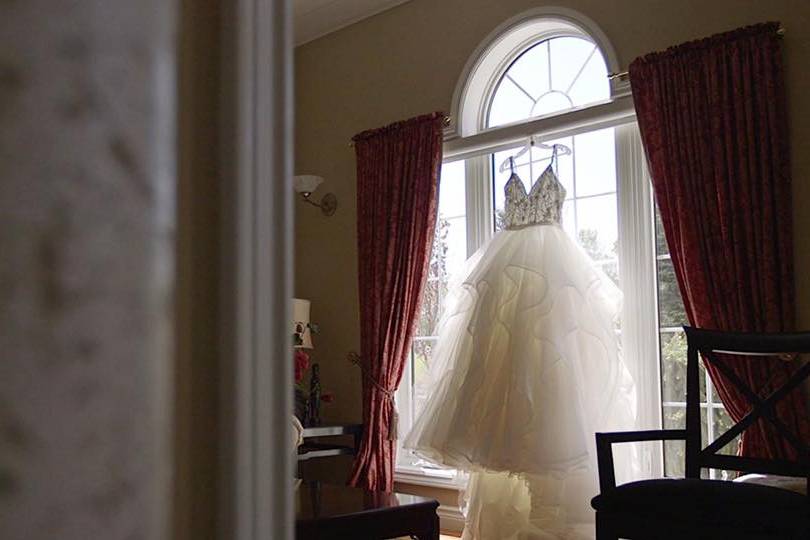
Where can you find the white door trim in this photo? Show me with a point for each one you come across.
(256, 394)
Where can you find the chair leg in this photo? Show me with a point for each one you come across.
(604, 529)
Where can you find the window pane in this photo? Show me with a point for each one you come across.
(595, 162)
(722, 423)
(675, 451)
(449, 254)
(422, 355)
(704, 434)
(670, 306)
(569, 220)
(553, 75)
(449, 249)
(592, 84)
(674, 417)
(568, 58)
(432, 297)
(452, 190)
(456, 244)
(551, 102)
(449, 245)
(612, 271)
(509, 104)
(661, 247)
(530, 70)
(597, 221)
(673, 368)
(674, 454)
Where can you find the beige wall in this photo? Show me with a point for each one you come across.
(407, 61)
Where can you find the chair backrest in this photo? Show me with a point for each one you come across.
(714, 346)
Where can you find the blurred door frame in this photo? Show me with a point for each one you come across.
(255, 484)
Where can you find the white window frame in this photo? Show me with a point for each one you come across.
(474, 144)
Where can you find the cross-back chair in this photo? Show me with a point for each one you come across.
(696, 508)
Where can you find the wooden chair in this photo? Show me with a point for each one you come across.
(695, 508)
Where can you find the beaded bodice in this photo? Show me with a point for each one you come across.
(542, 205)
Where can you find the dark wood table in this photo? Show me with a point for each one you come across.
(332, 512)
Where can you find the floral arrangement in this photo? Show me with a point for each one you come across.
(301, 359)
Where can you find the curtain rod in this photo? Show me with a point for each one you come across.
(446, 123)
(623, 74)
(610, 76)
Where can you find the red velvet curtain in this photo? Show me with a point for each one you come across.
(398, 170)
(712, 115)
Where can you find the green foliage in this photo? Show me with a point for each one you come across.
(500, 219)
(589, 240)
(436, 285)
(673, 366)
(670, 304)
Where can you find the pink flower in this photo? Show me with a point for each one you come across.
(301, 359)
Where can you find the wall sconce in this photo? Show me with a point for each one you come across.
(305, 184)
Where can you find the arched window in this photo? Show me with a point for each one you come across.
(544, 77)
(550, 76)
(563, 68)
(542, 62)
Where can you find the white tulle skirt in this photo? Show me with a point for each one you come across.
(525, 370)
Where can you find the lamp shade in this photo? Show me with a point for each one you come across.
(306, 183)
(301, 323)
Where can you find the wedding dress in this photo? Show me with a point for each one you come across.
(525, 370)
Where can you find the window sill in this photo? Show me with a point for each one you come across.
(452, 519)
(418, 476)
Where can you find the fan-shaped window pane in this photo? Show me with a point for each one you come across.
(531, 71)
(551, 103)
(569, 57)
(553, 75)
(510, 104)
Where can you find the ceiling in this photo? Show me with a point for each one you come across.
(316, 18)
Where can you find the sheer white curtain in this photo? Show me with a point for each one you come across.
(639, 322)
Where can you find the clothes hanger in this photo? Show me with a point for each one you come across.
(556, 149)
(509, 163)
(559, 149)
